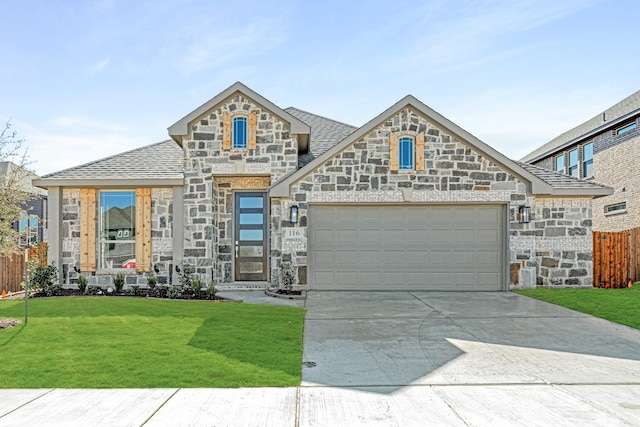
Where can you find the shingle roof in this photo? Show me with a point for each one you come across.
(325, 133)
(613, 115)
(561, 182)
(162, 160)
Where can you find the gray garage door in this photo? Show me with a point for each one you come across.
(406, 247)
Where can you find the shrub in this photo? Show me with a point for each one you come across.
(174, 292)
(118, 281)
(44, 280)
(196, 286)
(152, 281)
(94, 290)
(211, 291)
(161, 291)
(186, 276)
(288, 275)
(82, 284)
(135, 290)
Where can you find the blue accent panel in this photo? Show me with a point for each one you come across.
(405, 153)
(239, 132)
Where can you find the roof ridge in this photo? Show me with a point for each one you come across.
(320, 116)
(93, 162)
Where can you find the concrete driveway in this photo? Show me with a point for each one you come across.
(406, 358)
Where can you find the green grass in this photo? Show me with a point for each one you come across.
(618, 305)
(110, 342)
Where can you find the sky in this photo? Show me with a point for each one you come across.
(81, 80)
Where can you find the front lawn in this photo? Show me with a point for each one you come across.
(111, 342)
(618, 305)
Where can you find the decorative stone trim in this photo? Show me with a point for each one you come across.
(70, 245)
(583, 244)
(244, 182)
(161, 193)
(163, 244)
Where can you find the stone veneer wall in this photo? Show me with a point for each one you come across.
(161, 239)
(453, 174)
(208, 205)
(555, 248)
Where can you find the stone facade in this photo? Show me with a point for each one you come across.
(555, 248)
(208, 202)
(161, 240)
(454, 173)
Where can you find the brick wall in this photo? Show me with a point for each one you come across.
(615, 167)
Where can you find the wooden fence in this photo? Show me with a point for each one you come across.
(616, 258)
(11, 272)
(12, 267)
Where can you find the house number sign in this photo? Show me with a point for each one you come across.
(295, 233)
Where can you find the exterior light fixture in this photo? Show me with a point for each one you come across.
(524, 214)
(293, 214)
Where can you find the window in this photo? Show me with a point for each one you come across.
(560, 163)
(615, 208)
(627, 128)
(117, 229)
(587, 160)
(239, 133)
(573, 163)
(405, 153)
(28, 228)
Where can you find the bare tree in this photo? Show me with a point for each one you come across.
(15, 186)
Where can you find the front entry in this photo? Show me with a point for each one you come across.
(250, 237)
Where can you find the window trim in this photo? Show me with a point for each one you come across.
(615, 208)
(584, 162)
(410, 164)
(100, 241)
(235, 144)
(575, 166)
(626, 128)
(564, 163)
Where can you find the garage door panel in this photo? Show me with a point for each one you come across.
(406, 247)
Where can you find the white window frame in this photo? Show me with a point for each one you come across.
(103, 264)
(410, 165)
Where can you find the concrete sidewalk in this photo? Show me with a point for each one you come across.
(398, 359)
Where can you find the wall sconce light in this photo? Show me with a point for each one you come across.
(524, 214)
(293, 214)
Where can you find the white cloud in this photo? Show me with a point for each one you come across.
(100, 65)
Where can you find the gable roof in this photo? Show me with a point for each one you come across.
(613, 116)
(536, 185)
(155, 164)
(181, 127)
(325, 133)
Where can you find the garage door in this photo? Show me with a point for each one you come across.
(447, 248)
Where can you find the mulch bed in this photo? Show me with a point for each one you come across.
(9, 323)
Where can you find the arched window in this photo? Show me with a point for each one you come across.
(240, 133)
(405, 153)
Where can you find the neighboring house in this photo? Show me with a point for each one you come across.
(409, 201)
(603, 149)
(33, 225)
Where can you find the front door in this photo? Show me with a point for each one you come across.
(250, 236)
